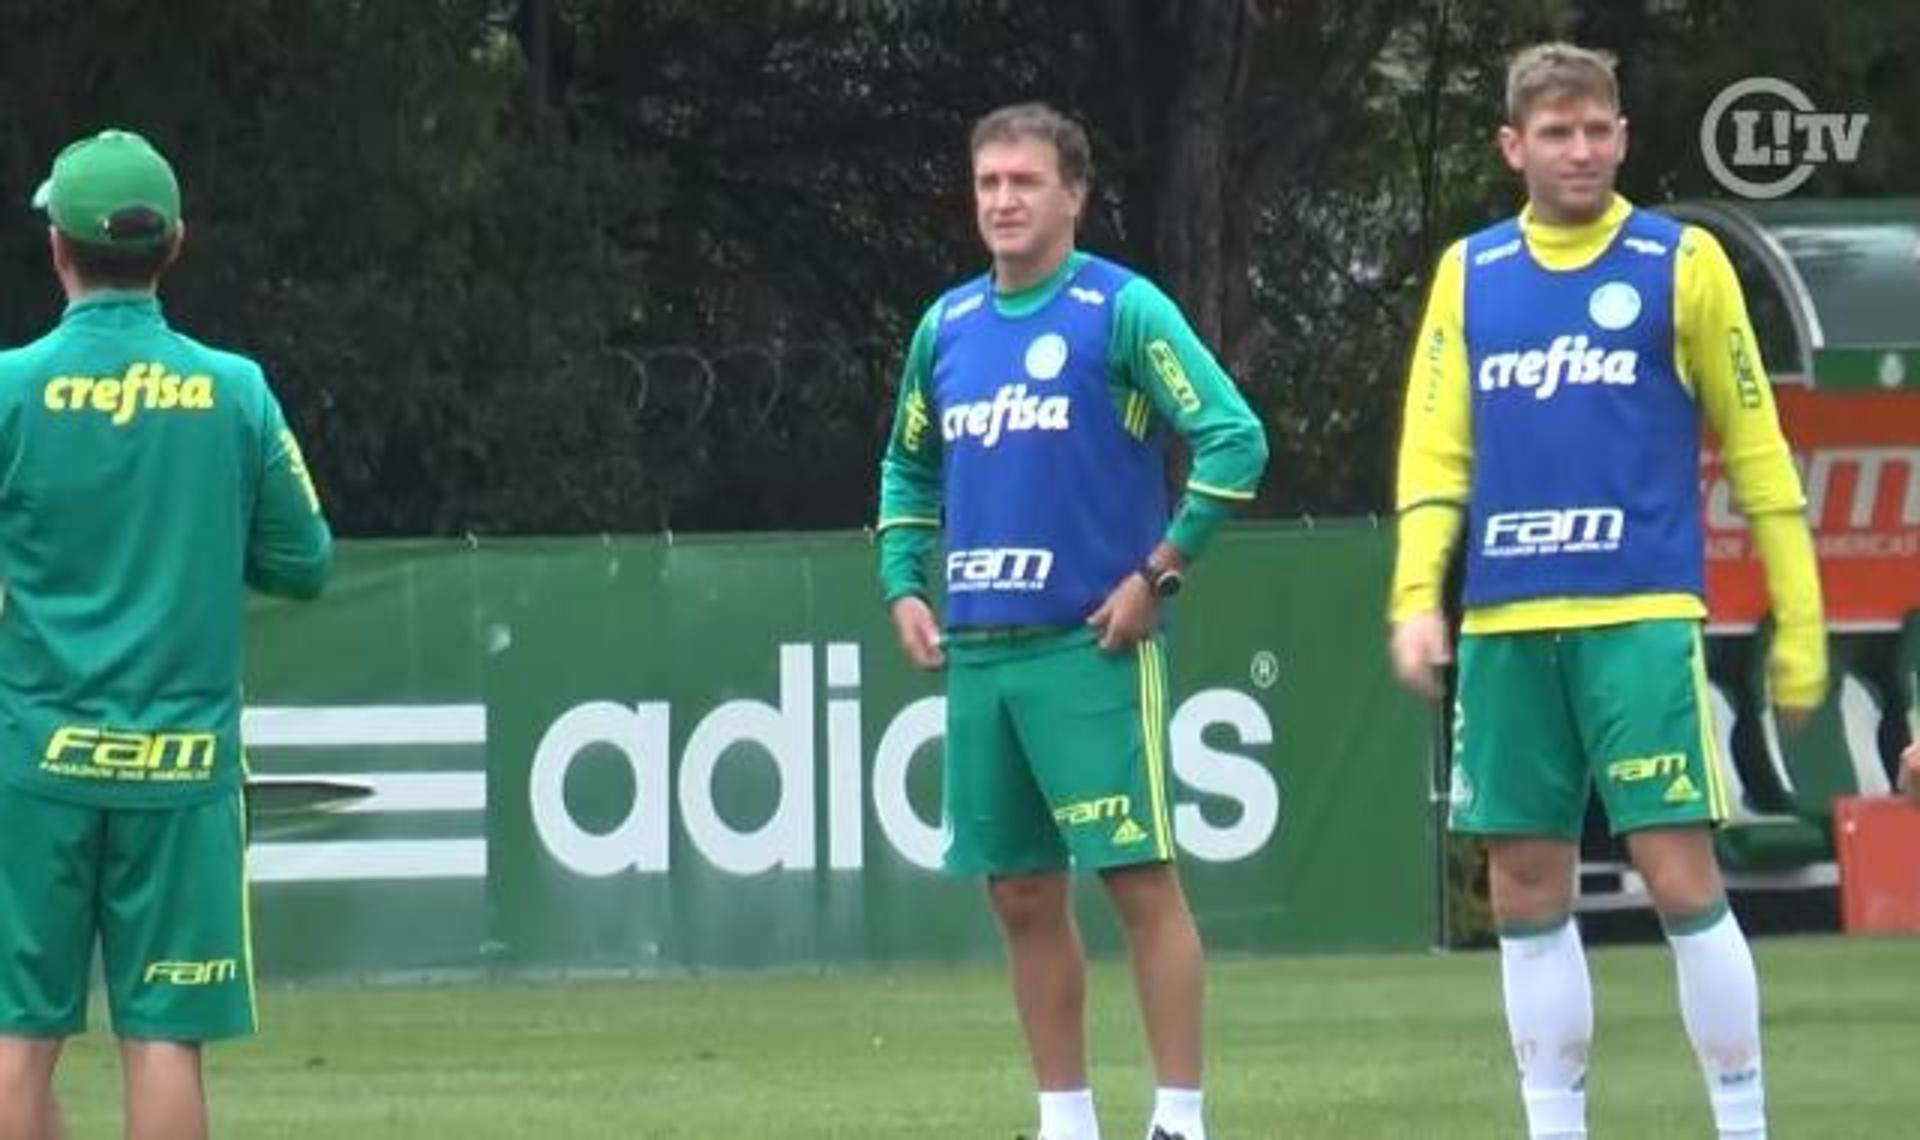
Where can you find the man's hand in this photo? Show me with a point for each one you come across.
(1419, 648)
(1910, 773)
(919, 632)
(1129, 615)
(1797, 675)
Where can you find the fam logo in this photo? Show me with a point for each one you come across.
(998, 568)
(1575, 530)
(1762, 137)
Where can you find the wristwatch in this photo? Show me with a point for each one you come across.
(1164, 583)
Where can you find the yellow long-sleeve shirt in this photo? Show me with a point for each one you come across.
(1719, 362)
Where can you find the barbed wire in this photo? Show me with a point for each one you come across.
(748, 386)
(790, 432)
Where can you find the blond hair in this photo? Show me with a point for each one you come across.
(1556, 72)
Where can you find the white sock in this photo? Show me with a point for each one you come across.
(1720, 1003)
(1177, 1112)
(1550, 1021)
(1068, 1116)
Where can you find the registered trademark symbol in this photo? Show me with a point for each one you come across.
(1265, 670)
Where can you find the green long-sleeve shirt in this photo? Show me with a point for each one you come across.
(145, 481)
(1161, 377)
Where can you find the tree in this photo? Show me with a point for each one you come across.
(570, 265)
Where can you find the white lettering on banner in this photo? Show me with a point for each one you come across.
(296, 747)
(1904, 544)
(639, 735)
(1847, 488)
(1231, 775)
(742, 731)
(1718, 496)
(998, 568)
(1568, 360)
(1726, 547)
(1867, 465)
(785, 731)
(845, 845)
(1575, 530)
(919, 724)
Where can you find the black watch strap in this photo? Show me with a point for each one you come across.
(1164, 583)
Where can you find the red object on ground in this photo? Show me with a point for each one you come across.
(1877, 839)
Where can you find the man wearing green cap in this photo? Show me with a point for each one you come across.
(146, 480)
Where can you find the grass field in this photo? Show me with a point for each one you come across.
(1316, 1049)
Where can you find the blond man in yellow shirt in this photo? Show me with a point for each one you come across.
(1566, 365)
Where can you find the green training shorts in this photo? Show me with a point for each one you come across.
(162, 892)
(1056, 755)
(1544, 715)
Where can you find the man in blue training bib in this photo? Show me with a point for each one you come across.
(1567, 363)
(1035, 411)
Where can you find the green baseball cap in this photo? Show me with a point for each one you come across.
(112, 189)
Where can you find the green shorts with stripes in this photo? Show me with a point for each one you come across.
(1543, 716)
(160, 892)
(1056, 756)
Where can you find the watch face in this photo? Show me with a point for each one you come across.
(1168, 584)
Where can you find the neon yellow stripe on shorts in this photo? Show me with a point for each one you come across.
(1153, 724)
(1717, 801)
(246, 911)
